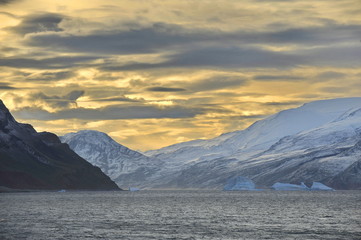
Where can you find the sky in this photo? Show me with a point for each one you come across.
(152, 73)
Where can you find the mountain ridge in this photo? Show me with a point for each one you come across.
(32, 160)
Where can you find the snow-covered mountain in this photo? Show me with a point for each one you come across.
(262, 134)
(309, 143)
(317, 142)
(317, 155)
(126, 167)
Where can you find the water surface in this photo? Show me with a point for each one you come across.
(181, 215)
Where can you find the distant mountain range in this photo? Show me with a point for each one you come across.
(317, 142)
(32, 160)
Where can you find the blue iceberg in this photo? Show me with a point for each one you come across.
(289, 187)
(317, 186)
(238, 184)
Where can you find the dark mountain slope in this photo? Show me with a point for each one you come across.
(31, 160)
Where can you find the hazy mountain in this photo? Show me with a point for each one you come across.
(32, 160)
(126, 167)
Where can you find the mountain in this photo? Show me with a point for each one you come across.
(126, 167)
(317, 142)
(32, 160)
(262, 134)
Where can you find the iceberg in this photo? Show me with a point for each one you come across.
(133, 189)
(238, 184)
(289, 187)
(317, 186)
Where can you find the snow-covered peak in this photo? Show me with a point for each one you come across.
(88, 135)
(9, 125)
(333, 106)
(292, 121)
(343, 129)
(98, 140)
(120, 163)
(262, 134)
(5, 116)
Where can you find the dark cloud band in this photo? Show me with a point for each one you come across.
(110, 113)
(165, 89)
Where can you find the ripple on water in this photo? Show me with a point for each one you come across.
(181, 215)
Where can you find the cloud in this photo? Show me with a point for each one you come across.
(322, 35)
(46, 63)
(334, 89)
(55, 101)
(50, 76)
(218, 57)
(43, 22)
(202, 85)
(216, 83)
(5, 2)
(196, 47)
(117, 99)
(6, 86)
(242, 117)
(276, 77)
(341, 56)
(237, 57)
(282, 103)
(165, 89)
(74, 95)
(9, 14)
(330, 75)
(8, 49)
(111, 113)
(135, 40)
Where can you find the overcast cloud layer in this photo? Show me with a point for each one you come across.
(153, 73)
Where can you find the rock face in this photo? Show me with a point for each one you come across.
(350, 178)
(126, 167)
(32, 160)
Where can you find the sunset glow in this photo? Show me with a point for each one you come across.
(154, 73)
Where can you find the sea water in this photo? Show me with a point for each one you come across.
(181, 215)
